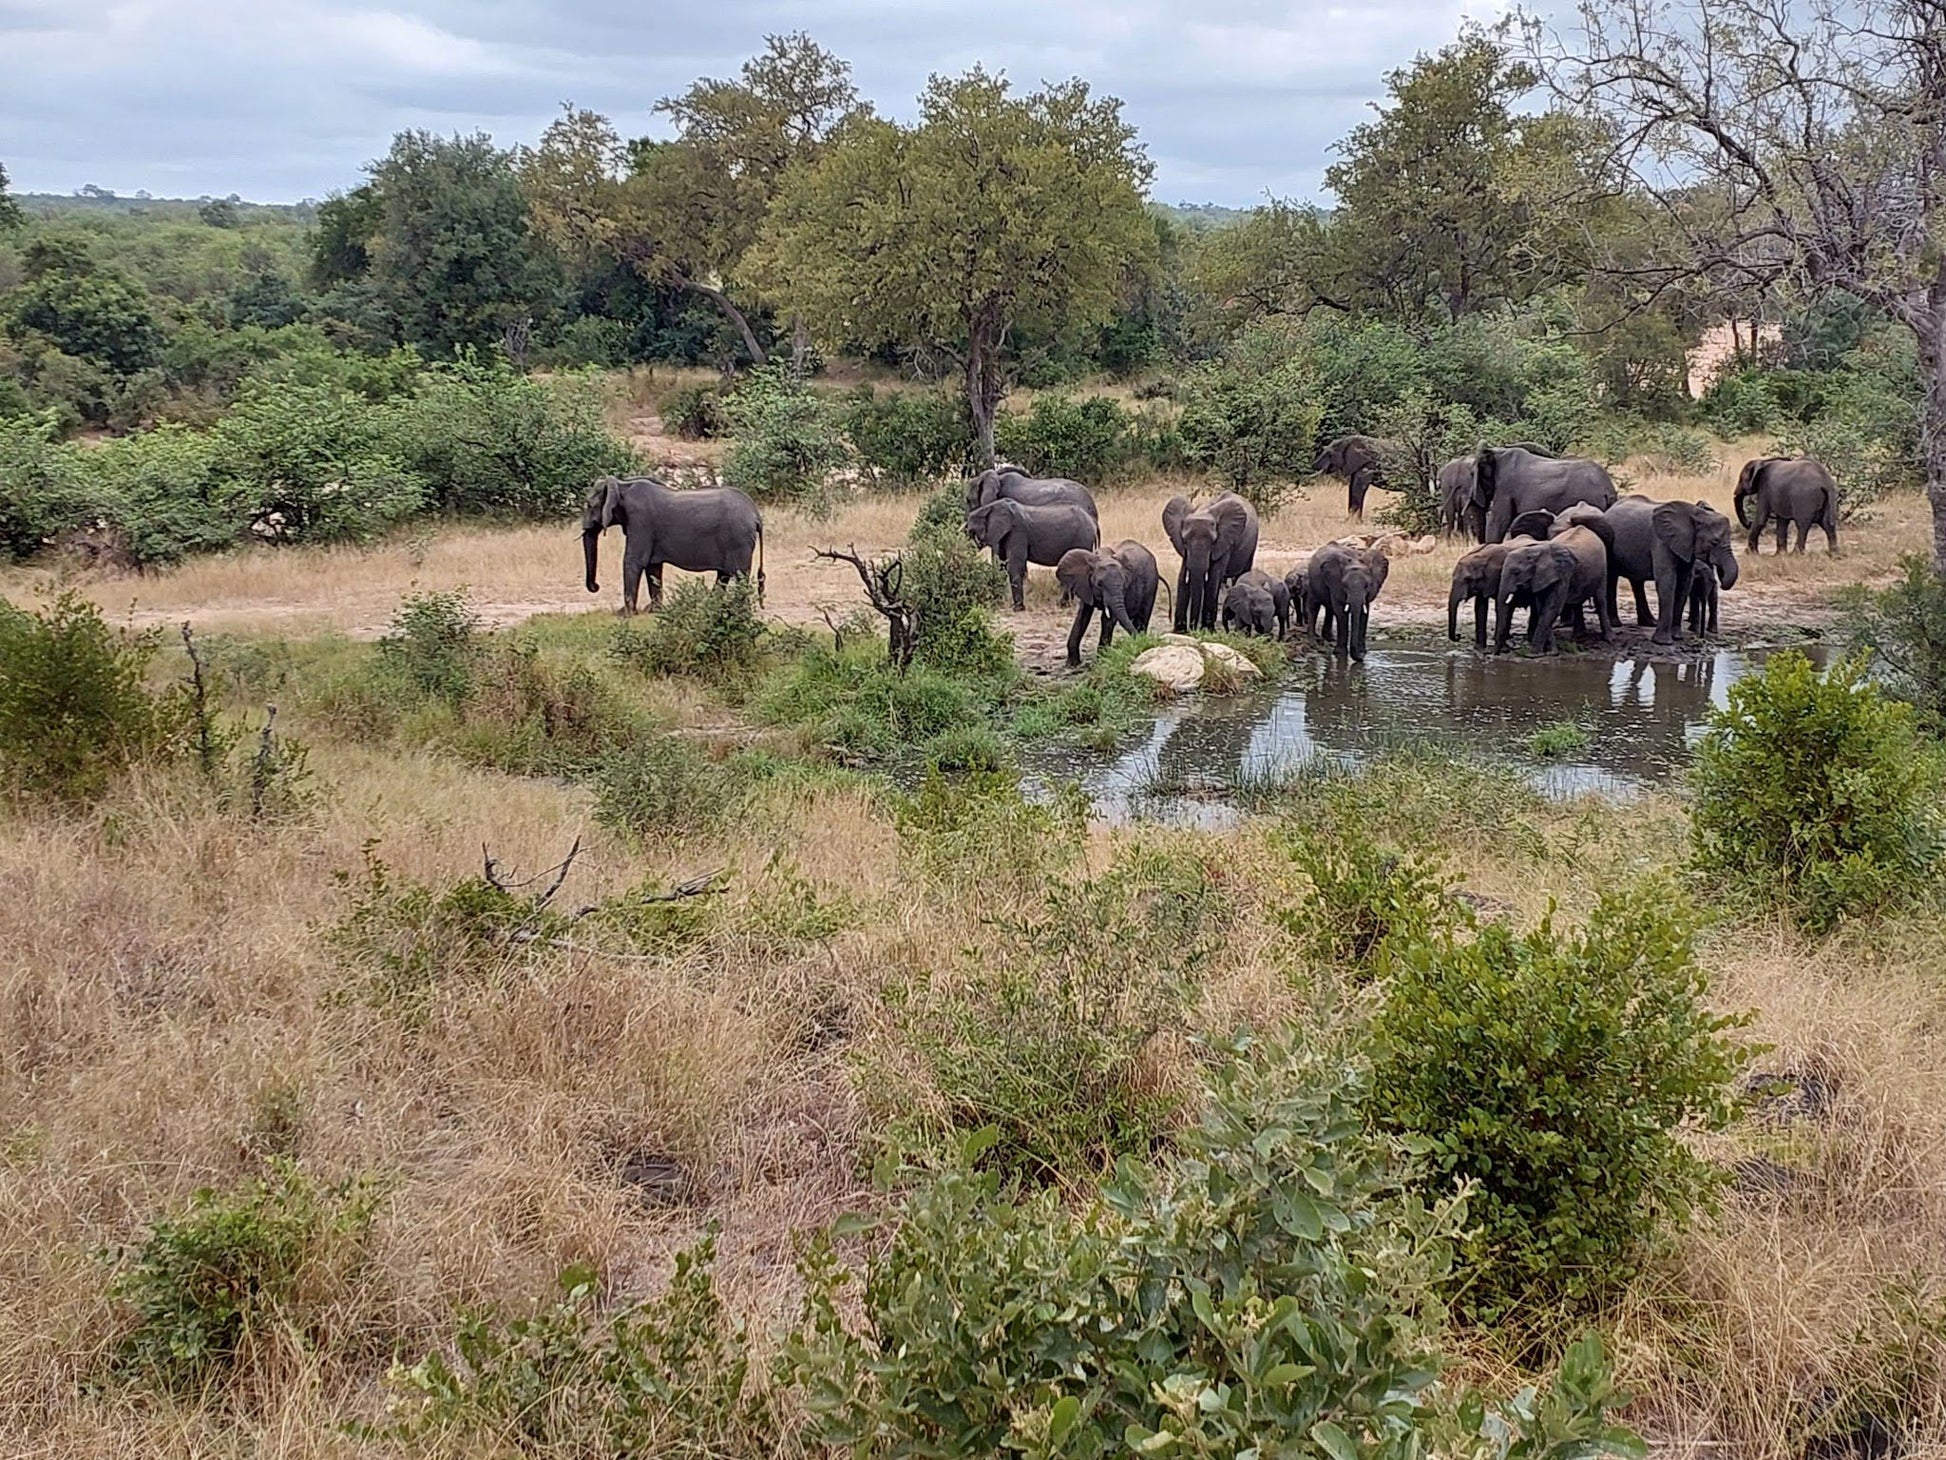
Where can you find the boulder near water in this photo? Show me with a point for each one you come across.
(1180, 663)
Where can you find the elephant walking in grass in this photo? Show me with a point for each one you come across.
(1793, 490)
(1551, 578)
(1344, 582)
(1360, 462)
(1120, 584)
(1020, 534)
(710, 530)
(1217, 543)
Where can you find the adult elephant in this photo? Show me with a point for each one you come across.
(1120, 584)
(1344, 582)
(1551, 578)
(1249, 609)
(1459, 515)
(1661, 542)
(1217, 543)
(1360, 461)
(710, 530)
(1510, 480)
(1020, 534)
(1280, 597)
(1476, 576)
(1006, 481)
(1793, 490)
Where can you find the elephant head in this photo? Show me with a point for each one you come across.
(1331, 459)
(989, 524)
(1486, 479)
(1537, 525)
(1250, 608)
(1475, 575)
(1695, 532)
(1096, 580)
(600, 512)
(985, 487)
(1750, 481)
(1534, 573)
(1204, 540)
(1586, 514)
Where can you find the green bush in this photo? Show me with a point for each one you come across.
(1904, 628)
(694, 413)
(788, 441)
(529, 714)
(1867, 434)
(156, 491)
(1088, 438)
(239, 1273)
(1266, 1292)
(433, 646)
(1254, 429)
(75, 707)
(1556, 1073)
(1364, 901)
(1557, 741)
(664, 788)
(953, 586)
(1814, 793)
(906, 438)
(968, 748)
(666, 1377)
(943, 514)
(1741, 403)
(854, 703)
(702, 630)
(1044, 1036)
(42, 491)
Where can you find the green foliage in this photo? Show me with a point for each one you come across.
(155, 491)
(75, 707)
(1814, 794)
(11, 217)
(433, 645)
(694, 412)
(89, 310)
(43, 494)
(1556, 1073)
(906, 438)
(1045, 1036)
(666, 1377)
(1557, 741)
(1867, 434)
(1265, 1291)
(969, 748)
(1672, 448)
(664, 788)
(1365, 902)
(953, 586)
(710, 632)
(1251, 422)
(852, 703)
(981, 830)
(238, 1273)
(787, 443)
(1904, 627)
(1741, 403)
(1089, 438)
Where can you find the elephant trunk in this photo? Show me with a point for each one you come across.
(1453, 601)
(1117, 606)
(1202, 595)
(1743, 507)
(590, 543)
(1726, 568)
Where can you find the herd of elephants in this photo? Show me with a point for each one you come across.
(1555, 538)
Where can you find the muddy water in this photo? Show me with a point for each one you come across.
(1640, 716)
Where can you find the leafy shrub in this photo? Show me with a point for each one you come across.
(528, 714)
(44, 493)
(240, 1272)
(1255, 429)
(1741, 403)
(156, 491)
(904, 438)
(433, 645)
(1904, 628)
(953, 585)
(943, 514)
(981, 830)
(1814, 793)
(664, 787)
(1365, 901)
(666, 1377)
(968, 748)
(1090, 438)
(1673, 448)
(588, 340)
(788, 440)
(1556, 1072)
(694, 412)
(700, 629)
(487, 439)
(1267, 1291)
(856, 704)
(1044, 1036)
(75, 707)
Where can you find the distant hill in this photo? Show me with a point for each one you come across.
(1202, 217)
(99, 201)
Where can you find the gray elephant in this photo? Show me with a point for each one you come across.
(1217, 543)
(1459, 515)
(1551, 578)
(1004, 479)
(1508, 481)
(1280, 597)
(1248, 609)
(1663, 542)
(1344, 582)
(1791, 490)
(1703, 596)
(1476, 576)
(710, 530)
(1297, 584)
(1020, 534)
(1360, 461)
(1119, 583)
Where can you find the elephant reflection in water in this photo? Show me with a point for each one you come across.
(1208, 748)
(1343, 712)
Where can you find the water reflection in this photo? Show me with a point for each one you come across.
(1640, 715)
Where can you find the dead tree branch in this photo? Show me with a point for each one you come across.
(884, 580)
(490, 870)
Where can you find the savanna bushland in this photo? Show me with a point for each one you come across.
(438, 1017)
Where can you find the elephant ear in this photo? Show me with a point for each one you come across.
(1486, 465)
(611, 501)
(1675, 528)
(1231, 520)
(1073, 572)
(1379, 566)
(1173, 512)
(1556, 566)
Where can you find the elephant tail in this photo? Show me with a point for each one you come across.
(760, 560)
(1830, 522)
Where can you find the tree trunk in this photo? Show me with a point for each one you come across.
(800, 346)
(1932, 434)
(758, 355)
(982, 397)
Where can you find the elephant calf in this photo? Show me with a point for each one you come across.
(1280, 597)
(1121, 583)
(1248, 609)
(1552, 578)
(1476, 576)
(1021, 534)
(1297, 583)
(1344, 582)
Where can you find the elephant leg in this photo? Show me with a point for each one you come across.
(1182, 600)
(631, 584)
(1605, 620)
(1756, 531)
(1075, 634)
(653, 578)
(1017, 577)
(1479, 621)
(1503, 622)
(1643, 618)
(1610, 592)
(1830, 538)
(1803, 535)
(1672, 584)
(1783, 535)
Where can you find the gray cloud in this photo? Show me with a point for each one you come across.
(283, 99)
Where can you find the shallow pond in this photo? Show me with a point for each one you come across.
(1639, 717)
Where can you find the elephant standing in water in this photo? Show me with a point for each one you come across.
(1020, 534)
(1476, 576)
(1218, 544)
(1552, 578)
(1792, 490)
(1344, 582)
(1669, 542)
(1121, 583)
(1360, 461)
(710, 530)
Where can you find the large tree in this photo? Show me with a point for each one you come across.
(1791, 144)
(10, 215)
(993, 213)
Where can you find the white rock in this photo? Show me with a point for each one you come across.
(1179, 662)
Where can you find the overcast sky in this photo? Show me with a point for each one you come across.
(286, 99)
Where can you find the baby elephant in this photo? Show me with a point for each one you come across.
(1121, 583)
(1297, 583)
(1476, 576)
(1704, 590)
(1344, 582)
(1021, 534)
(1280, 597)
(1249, 609)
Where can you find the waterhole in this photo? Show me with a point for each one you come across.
(1635, 718)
